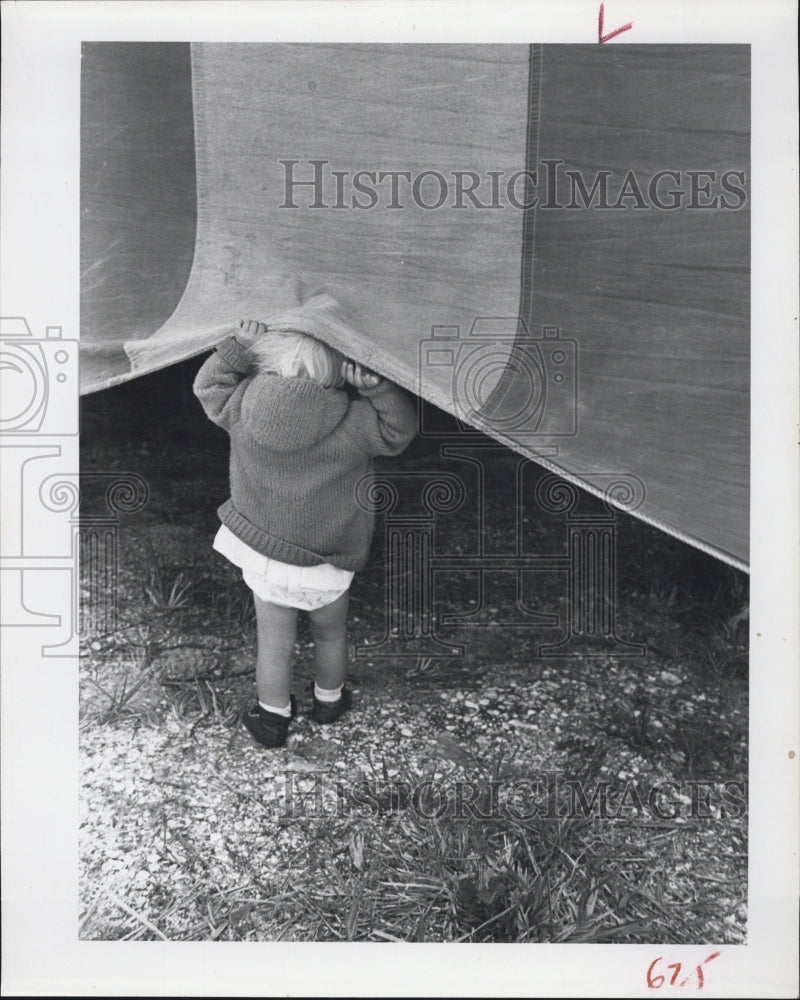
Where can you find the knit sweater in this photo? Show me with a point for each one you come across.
(298, 451)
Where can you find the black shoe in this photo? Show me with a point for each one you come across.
(329, 711)
(266, 727)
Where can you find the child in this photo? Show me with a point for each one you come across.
(299, 446)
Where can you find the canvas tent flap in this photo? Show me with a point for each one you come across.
(598, 339)
(657, 300)
(138, 200)
(358, 108)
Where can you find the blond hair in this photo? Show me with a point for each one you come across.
(293, 354)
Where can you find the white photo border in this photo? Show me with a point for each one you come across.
(40, 282)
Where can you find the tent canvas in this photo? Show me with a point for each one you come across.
(550, 242)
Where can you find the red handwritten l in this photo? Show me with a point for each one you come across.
(612, 34)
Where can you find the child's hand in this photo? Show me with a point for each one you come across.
(248, 330)
(361, 378)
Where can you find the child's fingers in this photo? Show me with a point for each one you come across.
(369, 378)
(250, 329)
(358, 375)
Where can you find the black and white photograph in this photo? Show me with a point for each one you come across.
(414, 439)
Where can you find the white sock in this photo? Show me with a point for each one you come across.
(285, 712)
(327, 694)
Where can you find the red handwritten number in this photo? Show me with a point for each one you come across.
(677, 967)
(700, 976)
(601, 38)
(656, 982)
(651, 979)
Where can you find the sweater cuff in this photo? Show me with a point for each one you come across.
(235, 355)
